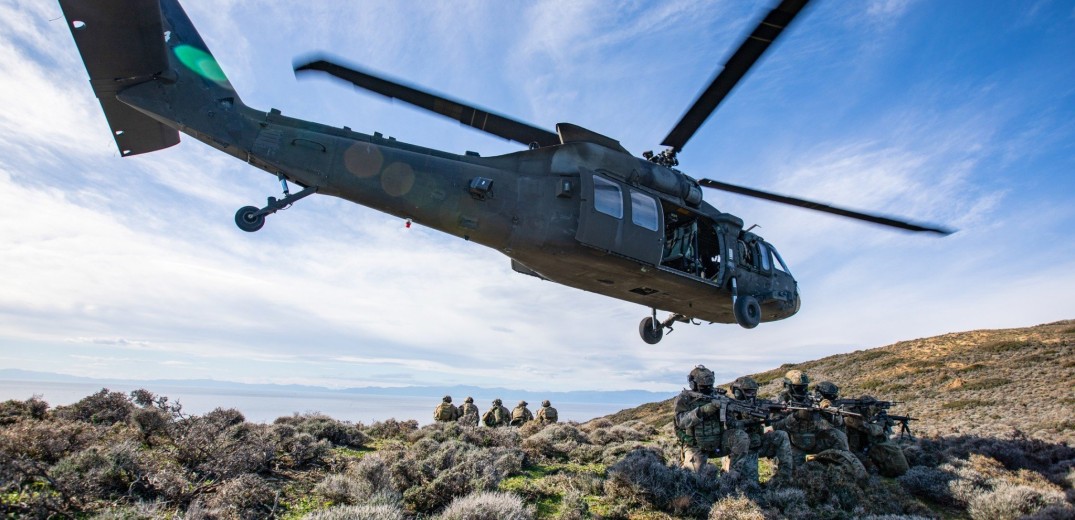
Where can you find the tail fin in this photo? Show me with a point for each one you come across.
(125, 43)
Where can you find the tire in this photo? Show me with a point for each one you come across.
(650, 334)
(747, 311)
(248, 220)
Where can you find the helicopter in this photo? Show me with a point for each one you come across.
(573, 207)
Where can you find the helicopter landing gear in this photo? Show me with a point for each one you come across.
(251, 219)
(747, 311)
(652, 330)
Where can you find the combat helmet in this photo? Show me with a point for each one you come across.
(523, 403)
(497, 402)
(827, 390)
(546, 403)
(468, 400)
(447, 399)
(745, 388)
(795, 382)
(701, 378)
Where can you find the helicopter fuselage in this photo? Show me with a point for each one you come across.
(584, 213)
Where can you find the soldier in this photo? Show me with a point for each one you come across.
(498, 415)
(811, 435)
(446, 411)
(869, 437)
(547, 414)
(700, 424)
(795, 393)
(826, 393)
(772, 444)
(521, 414)
(468, 412)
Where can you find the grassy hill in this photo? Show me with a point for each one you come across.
(995, 411)
(988, 383)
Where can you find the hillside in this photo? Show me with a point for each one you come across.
(987, 383)
(995, 411)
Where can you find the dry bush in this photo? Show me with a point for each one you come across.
(104, 407)
(11, 411)
(221, 445)
(361, 512)
(323, 427)
(556, 442)
(735, 507)
(477, 436)
(246, 497)
(433, 473)
(366, 483)
(928, 483)
(487, 505)
(1011, 501)
(573, 506)
(391, 429)
(101, 473)
(643, 479)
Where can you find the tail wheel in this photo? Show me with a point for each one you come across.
(650, 330)
(747, 311)
(248, 219)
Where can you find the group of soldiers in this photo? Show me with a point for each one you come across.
(497, 415)
(797, 425)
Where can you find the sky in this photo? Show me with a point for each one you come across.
(959, 113)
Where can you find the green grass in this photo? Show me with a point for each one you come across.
(302, 506)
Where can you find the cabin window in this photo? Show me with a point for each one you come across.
(607, 197)
(779, 265)
(643, 210)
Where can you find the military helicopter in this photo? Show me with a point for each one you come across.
(574, 207)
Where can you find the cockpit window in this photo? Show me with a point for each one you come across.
(607, 197)
(763, 257)
(779, 265)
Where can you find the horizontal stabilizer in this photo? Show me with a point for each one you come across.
(122, 44)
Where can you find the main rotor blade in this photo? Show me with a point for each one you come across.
(496, 124)
(817, 206)
(737, 66)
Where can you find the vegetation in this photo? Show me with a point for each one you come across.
(138, 456)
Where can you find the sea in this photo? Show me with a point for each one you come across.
(266, 405)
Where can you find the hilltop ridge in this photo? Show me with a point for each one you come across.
(988, 383)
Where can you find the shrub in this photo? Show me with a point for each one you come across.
(324, 427)
(362, 512)
(391, 429)
(573, 506)
(642, 479)
(221, 445)
(100, 473)
(487, 505)
(104, 407)
(928, 483)
(554, 442)
(368, 483)
(244, 497)
(737, 507)
(962, 404)
(1009, 501)
(11, 411)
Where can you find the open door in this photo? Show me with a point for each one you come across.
(618, 218)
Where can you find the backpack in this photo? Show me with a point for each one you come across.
(444, 412)
(489, 418)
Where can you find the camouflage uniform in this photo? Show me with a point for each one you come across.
(809, 433)
(468, 412)
(826, 393)
(521, 414)
(498, 415)
(700, 424)
(772, 444)
(446, 411)
(547, 414)
(869, 438)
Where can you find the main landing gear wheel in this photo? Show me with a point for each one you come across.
(650, 330)
(248, 219)
(747, 311)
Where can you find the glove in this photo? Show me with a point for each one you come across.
(708, 410)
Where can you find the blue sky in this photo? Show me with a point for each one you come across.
(960, 113)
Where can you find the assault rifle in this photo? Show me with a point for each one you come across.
(757, 410)
(882, 415)
(905, 429)
(883, 405)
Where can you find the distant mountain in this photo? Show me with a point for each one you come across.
(509, 396)
(987, 383)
